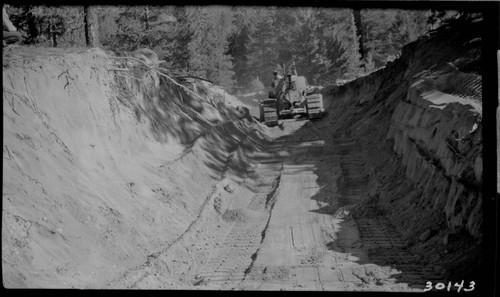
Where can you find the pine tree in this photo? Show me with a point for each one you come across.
(387, 31)
(50, 25)
(244, 22)
(262, 50)
(359, 31)
(210, 28)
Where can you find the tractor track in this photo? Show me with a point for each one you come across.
(316, 255)
(381, 240)
(231, 262)
(133, 277)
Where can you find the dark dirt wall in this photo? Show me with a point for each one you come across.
(418, 122)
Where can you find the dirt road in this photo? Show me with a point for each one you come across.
(306, 233)
(301, 219)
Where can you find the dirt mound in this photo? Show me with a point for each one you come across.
(234, 215)
(238, 215)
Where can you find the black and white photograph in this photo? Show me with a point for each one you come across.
(314, 146)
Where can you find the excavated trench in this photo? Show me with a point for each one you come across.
(111, 183)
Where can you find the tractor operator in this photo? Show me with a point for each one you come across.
(276, 80)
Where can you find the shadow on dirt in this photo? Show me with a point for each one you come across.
(401, 223)
(343, 180)
(347, 178)
(220, 137)
(170, 114)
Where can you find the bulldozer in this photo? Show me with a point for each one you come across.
(291, 98)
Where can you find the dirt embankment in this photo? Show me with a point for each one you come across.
(115, 177)
(107, 164)
(418, 124)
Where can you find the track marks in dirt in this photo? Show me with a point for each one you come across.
(134, 277)
(383, 244)
(231, 262)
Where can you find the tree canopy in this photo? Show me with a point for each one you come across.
(237, 47)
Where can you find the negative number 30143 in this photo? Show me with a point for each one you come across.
(448, 287)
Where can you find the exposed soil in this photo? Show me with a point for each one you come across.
(125, 180)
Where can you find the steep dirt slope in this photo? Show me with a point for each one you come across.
(116, 177)
(105, 163)
(417, 124)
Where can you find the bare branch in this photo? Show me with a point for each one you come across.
(160, 73)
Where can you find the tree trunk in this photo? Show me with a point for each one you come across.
(91, 30)
(54, 40)
(146, 17)
(359, 31)
(51, 33)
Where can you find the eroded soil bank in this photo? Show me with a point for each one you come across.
(107, 163)
(116, 177)
(417, 123)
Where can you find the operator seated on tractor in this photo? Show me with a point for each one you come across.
(291, 85)
(276, 81)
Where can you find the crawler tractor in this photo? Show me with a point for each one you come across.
(291, 97)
